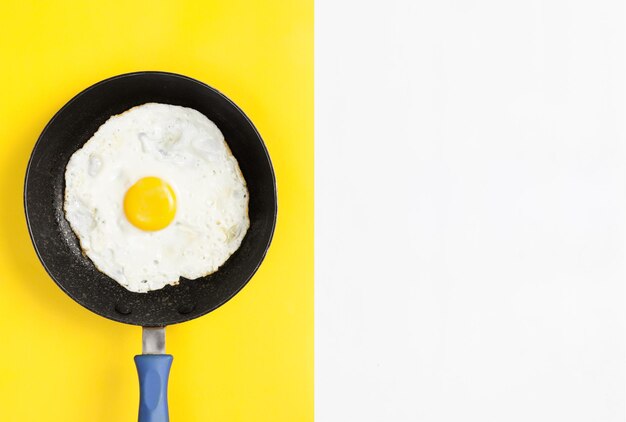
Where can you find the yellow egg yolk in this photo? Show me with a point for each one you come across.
(150, 204)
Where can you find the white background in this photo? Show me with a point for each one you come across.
(470, 211)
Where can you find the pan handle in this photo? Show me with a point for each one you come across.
(153, 371)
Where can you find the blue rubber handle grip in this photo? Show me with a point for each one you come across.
(153, 371)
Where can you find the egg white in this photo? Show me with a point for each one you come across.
(182, 147)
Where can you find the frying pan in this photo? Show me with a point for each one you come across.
(58, 248)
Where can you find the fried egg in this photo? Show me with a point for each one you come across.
(155, 195)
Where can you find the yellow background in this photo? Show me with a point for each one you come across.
(252, 359)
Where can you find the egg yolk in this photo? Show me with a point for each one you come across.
(150, 204)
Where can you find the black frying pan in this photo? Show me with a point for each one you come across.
(58, 248)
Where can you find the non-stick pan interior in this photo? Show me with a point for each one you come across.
(57, 245)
